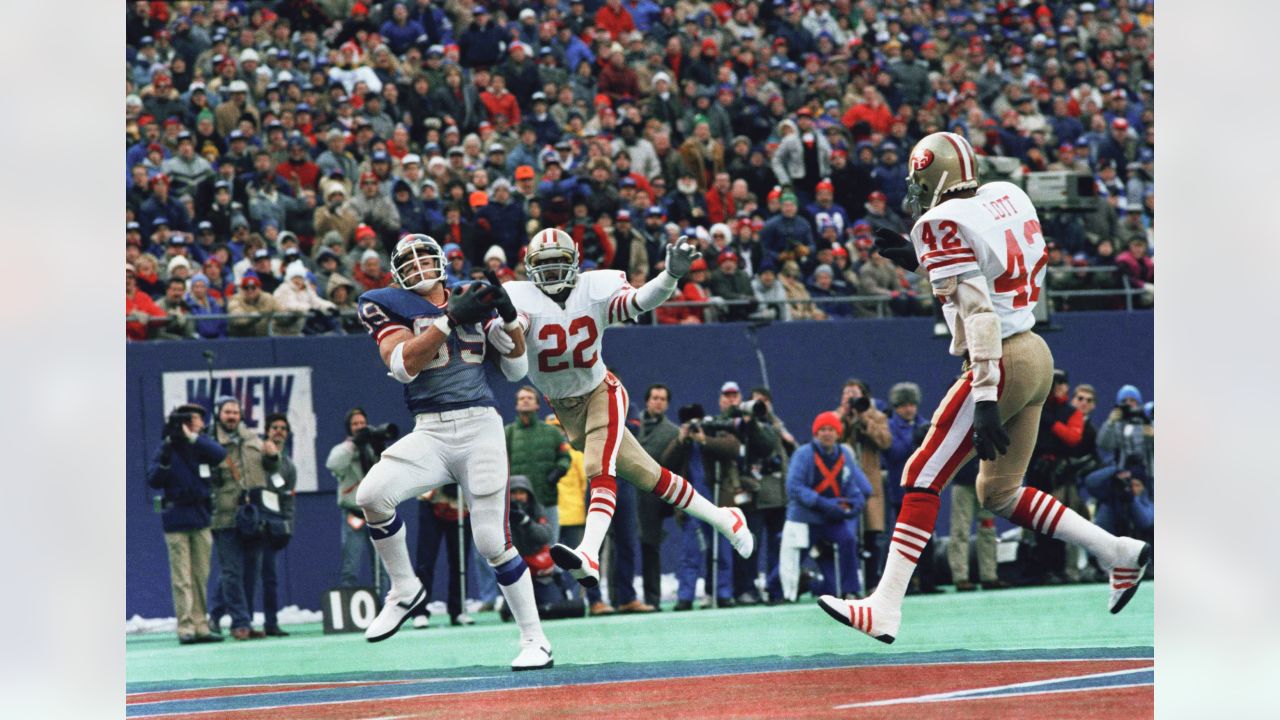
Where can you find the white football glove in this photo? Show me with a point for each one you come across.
(499, 338)
(680, 256)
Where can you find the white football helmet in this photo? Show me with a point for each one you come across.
(551, 261)
(417, 263)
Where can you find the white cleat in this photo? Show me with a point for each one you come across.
(1127, 574)
(864, 616)
(535, 654)
(393, 615)
(577, 563)
(739, 534)
(421, 622)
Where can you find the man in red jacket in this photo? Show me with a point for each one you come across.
(614, 19)
(720, 204)
(139, 309)
(500, 102)
(871, 110)
(616, 79)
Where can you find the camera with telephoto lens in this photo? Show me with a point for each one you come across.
(175, 424)
(377, 437)
(860, 404)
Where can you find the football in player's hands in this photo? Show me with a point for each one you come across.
(680, 257)
(471, 303)
(989, 437)
(506, 309)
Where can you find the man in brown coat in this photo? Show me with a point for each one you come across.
(866, 432)
(252, 304)
(336, 214)
(249, 461)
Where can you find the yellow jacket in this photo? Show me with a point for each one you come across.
(573, 492)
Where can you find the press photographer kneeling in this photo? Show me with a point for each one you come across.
(182, 469)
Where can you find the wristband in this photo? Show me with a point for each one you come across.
(512, 326)
(444, 324)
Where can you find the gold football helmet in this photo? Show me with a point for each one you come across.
(940, 163)
(551, 261)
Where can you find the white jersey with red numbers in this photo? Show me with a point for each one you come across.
(995, 233)
(563, 343)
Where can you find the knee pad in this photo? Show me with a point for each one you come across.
(505, 556)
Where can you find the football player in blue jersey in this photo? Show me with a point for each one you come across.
(434, 341)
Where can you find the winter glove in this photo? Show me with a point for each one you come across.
(502, 303)
(499, 338)
(831, 509)
(471, 304)
(680, 257)
(989, 437)
(897, 248)
(554, 475)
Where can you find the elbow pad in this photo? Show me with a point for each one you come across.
(982, 335)
(514, 368)
(398, 370)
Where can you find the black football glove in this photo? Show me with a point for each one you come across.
(471, 304)
(506, 309)
(897, 248)
(989, 437)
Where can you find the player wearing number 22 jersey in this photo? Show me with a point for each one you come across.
(564, 314)
(435, 343)
(984, 252)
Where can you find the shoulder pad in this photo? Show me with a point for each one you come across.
(522, 291)
(602, 284)
(398, 302)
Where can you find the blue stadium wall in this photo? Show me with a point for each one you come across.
(806, 364)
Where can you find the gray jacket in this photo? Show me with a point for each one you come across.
(788, 161)
(344, 463)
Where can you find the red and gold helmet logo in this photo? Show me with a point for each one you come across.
(922, 160)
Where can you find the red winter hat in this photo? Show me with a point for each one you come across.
(825, 185)
(363, 231)
(828, 419)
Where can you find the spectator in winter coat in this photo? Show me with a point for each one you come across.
(376, 210)
(872, 110)
(181, 470)
(370, 274)
(729, 282)
(186, 169)
(501, 222)
(163, 205)
(803, 157)
(201, 303)
(1135, 263)
(770, 294)
(298, 169)
(295, 295)
(481, 44)
(413, 217)
(822, 285)
(826, 492)
(891, 175)
(400, 31)
(694, 290)
(141, 312)
(617, 80)
(498, 101)
(614, 18)
(251, 301)
(787, 232)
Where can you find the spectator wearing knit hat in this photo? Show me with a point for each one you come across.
(803, 158)
(370, 273)
(201, 303)
(296, 295)
(141, 312)
(250, 301)
(729, 282)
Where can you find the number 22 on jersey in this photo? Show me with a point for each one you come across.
(550, 360)
(1016, 279)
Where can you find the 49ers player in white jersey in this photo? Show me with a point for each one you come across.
(564, 313)
(985, 256)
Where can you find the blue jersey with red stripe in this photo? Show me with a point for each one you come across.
(455, 377)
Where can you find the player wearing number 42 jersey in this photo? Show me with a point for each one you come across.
(985, 255)
(435, 343)
(564, 314)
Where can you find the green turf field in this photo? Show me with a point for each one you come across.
(1072, 616)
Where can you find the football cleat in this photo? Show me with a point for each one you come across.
(421, 621)
(739, 534)
(1127, 574)
(580, 565)
(393, 615)
(864, 616)
(535, 654)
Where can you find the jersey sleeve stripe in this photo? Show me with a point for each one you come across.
(947, 263)
(957, 252)
(386, 330)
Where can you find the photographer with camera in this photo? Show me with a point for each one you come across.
(1123, 488)
(349, 461)
(282, 482)
(826, 493)
(182, 469)
(653, 431)
(1061, 432)
(767, 456)
(704, 451)
(238, 541)
(907, 431)
(866, 432)
(531, 536)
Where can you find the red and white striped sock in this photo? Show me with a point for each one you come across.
(913, 529)
(678, 492)
(1041, 512)
(604, 498)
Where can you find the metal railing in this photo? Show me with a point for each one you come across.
(880, 302)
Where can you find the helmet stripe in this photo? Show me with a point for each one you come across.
(966, 171)
(973, 161)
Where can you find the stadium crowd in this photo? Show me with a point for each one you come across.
(275, 151)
